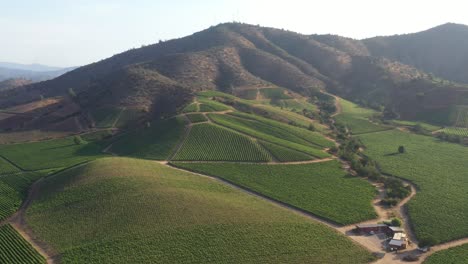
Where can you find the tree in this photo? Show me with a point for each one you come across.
(78, 140)
(401, 149)
(396, 222)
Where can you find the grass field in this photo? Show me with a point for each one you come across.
(50, 153)
(456, 255)
(357, 118)
(132, 211)
(15, 250)
(270, 133)
(274, 92)
(196, 118)
(209, 142)
(440, 170)
(156, 142)
(14, 188)
(323, 189)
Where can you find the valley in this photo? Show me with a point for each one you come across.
(236, 144)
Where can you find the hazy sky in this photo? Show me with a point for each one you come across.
(78, 32)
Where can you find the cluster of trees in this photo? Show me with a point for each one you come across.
(349, 150)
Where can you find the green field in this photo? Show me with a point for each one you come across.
(456, 255)
(440, 170)
(298, 105)
(155, 142)
(271, 134)
(210, 142)
(50, 153)
(284, 154)
(196, 118)
(15, 250)
(323, 189)
(132, 211)
(14, 188)
(357, 118)
(270, 93)
(6, 167)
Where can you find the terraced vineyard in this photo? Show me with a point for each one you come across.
(156, 142)
(135, 211)
(193, 107)
(208, 105)
(440, 170)
(357, 118)
(209, 142)
(323, 189)
(14, 249)
(269, 133)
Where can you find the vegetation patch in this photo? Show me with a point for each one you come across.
(323, 189)
(14, 249)
(440, 170)
(6, 167)
(106, 116)
(154, 142)
(209, 142)
(193, 107)
(119, 210)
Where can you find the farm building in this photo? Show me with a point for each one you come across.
(376, 228)
(392, 230)
(398, 242)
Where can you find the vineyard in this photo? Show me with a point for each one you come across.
(439, 170)
(462, 117)
(323, 188)
(269, 133)
(356, 118)
(154, 142)
(6, 167)
(458, 131)
(283, 154)
(193, 107)
(14, 249)
(50, 153)
(13, 189)
(135, 211)
(105, 117)
(449, 256)
(208, 105)
(213, 143)
(196, 118)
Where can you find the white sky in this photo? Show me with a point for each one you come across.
(78, 32)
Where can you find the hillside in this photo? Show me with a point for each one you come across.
(442, 50)
(144, 212)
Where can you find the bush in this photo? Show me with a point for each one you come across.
(427, 242)
(78, 140)
(396, 222)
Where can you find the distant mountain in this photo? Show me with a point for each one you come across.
(235, 57)
(33, 72)
(442, 50)
(30, 67)
(13, 83)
